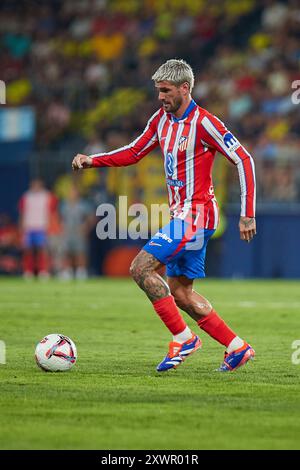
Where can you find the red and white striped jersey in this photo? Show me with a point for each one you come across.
(36, 208)
(188, 145)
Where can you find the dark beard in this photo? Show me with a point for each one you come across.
(177, 104)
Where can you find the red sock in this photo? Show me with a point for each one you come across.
(28, 262)
(169, 313)
(217, 328)
(42, 261)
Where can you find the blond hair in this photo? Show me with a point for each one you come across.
(175, 71)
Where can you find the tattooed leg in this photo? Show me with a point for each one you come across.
(143, 270)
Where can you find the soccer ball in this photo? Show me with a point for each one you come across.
(55, 353)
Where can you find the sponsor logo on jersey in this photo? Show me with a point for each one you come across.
(163, 236)
(177, 183)
(183, 143)
(231, 142)
(169, 164)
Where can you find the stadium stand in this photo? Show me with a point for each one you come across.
(85, 67)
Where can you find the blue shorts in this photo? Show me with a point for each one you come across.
(181, 247)
(35, 239)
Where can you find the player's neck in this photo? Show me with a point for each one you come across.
(185, 104)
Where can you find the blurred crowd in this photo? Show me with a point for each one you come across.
(86, 66)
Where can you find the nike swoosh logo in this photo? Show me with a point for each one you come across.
(154, 244)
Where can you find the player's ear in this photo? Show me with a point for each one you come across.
(185, 88)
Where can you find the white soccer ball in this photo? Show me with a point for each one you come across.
(55, 353)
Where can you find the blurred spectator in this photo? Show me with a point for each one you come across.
(76, 215)
(284, 189)
(94, 145)
(274, 15)
(35, 207)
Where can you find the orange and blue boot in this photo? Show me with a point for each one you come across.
(178, 352)
(237, 358)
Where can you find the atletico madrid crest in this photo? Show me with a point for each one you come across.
(183, 142)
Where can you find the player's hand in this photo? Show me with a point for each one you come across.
(247, 228)
(81, 161)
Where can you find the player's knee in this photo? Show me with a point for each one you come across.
(142, 266)
(204, 308)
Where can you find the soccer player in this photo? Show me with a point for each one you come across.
(189, 137)
(36, 208)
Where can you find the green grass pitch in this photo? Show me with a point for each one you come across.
(114, 398)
